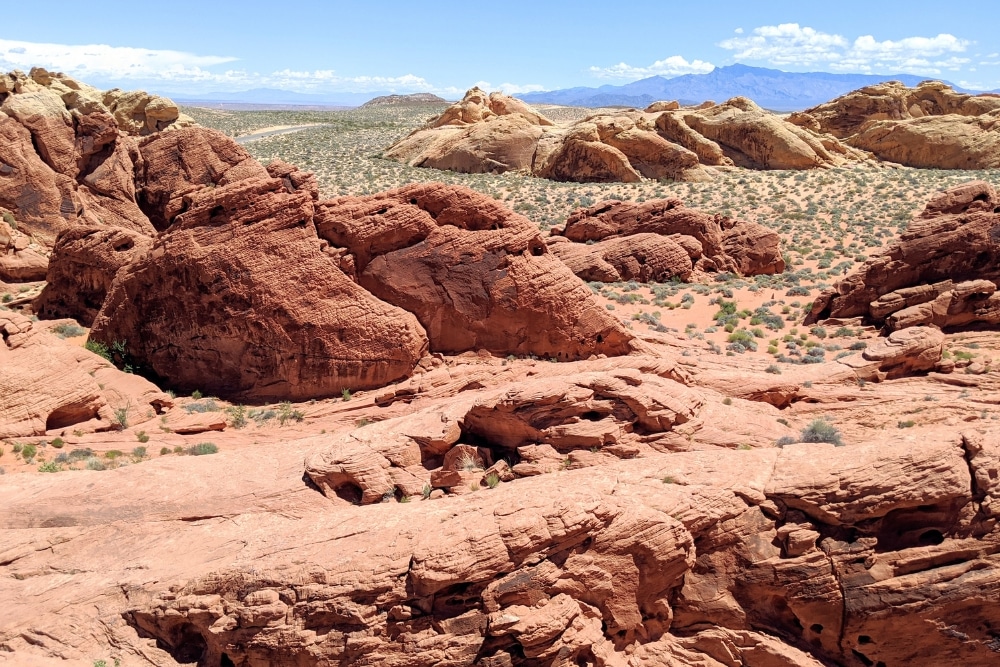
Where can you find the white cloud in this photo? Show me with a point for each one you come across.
(786, 44)
(792, 44)
(672, 66)
(104, 61)
(738, 31)
(180, 72)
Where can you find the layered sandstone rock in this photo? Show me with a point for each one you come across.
(83, 264)
(942, 271)
(20, 258)
(661, 239)
(68, 153)
(536, 426)
(48, 385)
(237, 299)
(496, 133)
(476, 275)
(928, 126)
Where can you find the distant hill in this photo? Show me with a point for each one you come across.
(770, 88)
(413, 100)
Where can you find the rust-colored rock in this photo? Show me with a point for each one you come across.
(476, 275)
(67, 158)
(237, 299)
(942, 271)
(47, 384)
(83, 265)
(688, 239)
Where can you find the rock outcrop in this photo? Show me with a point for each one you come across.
(48, 385)
(237, 299)
(529, 428)
(20, 257)
(661, 239)
(83, 264)
(496, 133)
(68, 152)
(942, 271)
(475, 274)
(929, 126)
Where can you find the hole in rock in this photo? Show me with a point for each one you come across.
(67, 415)
(414, 201)
(381, 211)
(125, 245)
(997, 209)
(538, 250)
(981, 197)
(930, 538)
(226, 662)
(592, 416)
(817, 628)
(349, 492)
(600, 338)
(190, 648)
(864, 639)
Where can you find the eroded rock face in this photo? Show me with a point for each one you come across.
(67, 158)
(942, 271)
(497, 133)
(82, 266)
(47, 384)
(236, 299)
(812, 544)
(661, 239)
(929, 126)
(476, 275)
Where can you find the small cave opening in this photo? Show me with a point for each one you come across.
(982, 196)
(865, 660)
(817, 628)
(225, 661)
(350, 492)
(864, 639)
(592, 416)
(930, 538)
(127, 244)
(66, 416)
(190, 647)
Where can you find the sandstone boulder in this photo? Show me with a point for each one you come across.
(929, 126)
(236, 299)
(496, 133)
(475, 274)
(662, 238)
(68, 158)
(942, 271)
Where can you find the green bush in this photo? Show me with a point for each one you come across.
(821, 431)
(98, 348)
(67, 330)
(57, 443)
(28, 452)
(142, 437)
(202, 448)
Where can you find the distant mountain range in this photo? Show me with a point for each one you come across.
(769, 88)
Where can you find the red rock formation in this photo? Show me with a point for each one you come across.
(476, 275)
(943, 270)
(48, 385)
(68, 158)
(82, 266)
(711, 243)
(236, 299)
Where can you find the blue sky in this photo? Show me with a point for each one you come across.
(325, 47)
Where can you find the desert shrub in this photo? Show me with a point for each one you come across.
(67, 330)
(28, 452)
(785, 440)
(821, 431)
(121, 417)
(203, 448)
(164, 451)
(94, 463)
(98, 348)
(798, 290)
(493, 480)
(237, 416)
(206, 405)
(774, 369)
(287, 413)
(142, 437)
(196, 395)
(81, 453)
(51, 466)
(345, 394)
(58, 443)
(138, 453)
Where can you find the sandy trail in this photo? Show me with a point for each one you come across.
(274, 131)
